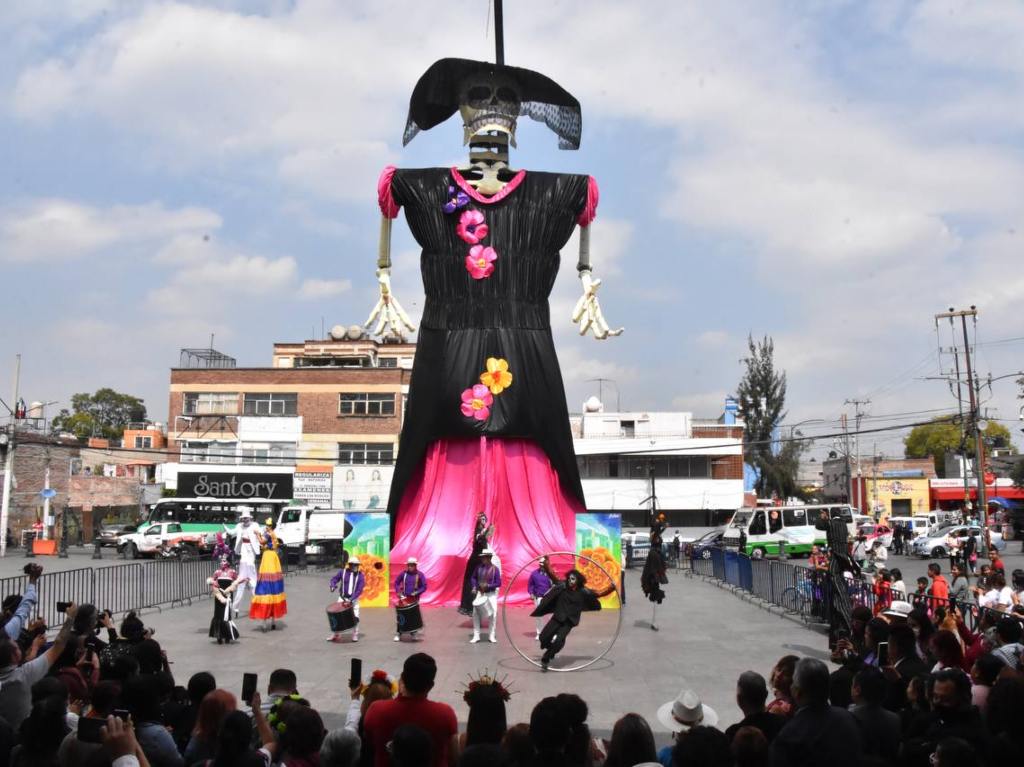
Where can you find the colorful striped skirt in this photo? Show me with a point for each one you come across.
(269, 600)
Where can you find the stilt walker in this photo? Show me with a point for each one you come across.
(653, 576)
(269, 601)
(486, 426)
(247, 547)
(837, 597)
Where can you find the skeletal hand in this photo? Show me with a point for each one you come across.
(388, 313)
(588, 311)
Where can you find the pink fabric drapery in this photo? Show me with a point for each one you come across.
(510, 480)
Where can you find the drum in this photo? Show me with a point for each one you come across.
(408, 617)
(340, 617)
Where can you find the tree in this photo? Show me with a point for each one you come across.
(103, 414)
(933, 440)
(762, 398)
(1017, 473)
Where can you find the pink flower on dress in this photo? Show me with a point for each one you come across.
(471, 227)
(476, 402)
(480, 262)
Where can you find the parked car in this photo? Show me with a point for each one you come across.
(877, 532)
(713, 539)
(110, 533)
(933, 544)
(149, 541)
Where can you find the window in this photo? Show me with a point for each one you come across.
(208, 452)
(628, 428)
(757, 526)
(361, 453)
(363, 403)
(774, 520)
(291, 515)
(211, 403)
(640, 467)
(265, 453)
(143, 442)
(388, 362)
(270, 404)
(794, 517)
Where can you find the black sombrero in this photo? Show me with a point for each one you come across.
(436, 98)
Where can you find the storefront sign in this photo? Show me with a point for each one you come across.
(235, 486)
(314, 485)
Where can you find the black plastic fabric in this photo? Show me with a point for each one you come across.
(436, 98)
(465, 321)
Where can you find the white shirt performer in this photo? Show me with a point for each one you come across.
(247, 546)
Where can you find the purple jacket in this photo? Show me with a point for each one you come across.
(486, 577)
(539, 583)
(352, 584)
(410, 586)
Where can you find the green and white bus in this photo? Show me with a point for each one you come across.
(210, 515)
(768, 526)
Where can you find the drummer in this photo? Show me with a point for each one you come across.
(351, 582)
(409, 584)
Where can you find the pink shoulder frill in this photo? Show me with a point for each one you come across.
(590, 209)
(388, 206)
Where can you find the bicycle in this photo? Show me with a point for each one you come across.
(795, 599)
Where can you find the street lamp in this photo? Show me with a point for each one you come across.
(792, 429)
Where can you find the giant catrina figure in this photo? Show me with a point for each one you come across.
(486, 428)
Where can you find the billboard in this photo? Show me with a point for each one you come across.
(369, 540)
(238, 486)
(599, 536)
(314, 485)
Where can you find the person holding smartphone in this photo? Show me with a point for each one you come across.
(18, 609)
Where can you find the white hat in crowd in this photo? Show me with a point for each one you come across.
(898, 609)
(686, 711)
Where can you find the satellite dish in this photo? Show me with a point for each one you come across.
(593, 405)
(355, 332)
(338, 332)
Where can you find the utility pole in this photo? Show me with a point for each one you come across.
(963, 426)
(856, 447)
(975, 416)
(5, 507)
(846, 452)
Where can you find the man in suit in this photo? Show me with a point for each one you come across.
(904, 665)
(751, 694)
(879, 727)
(818, 734)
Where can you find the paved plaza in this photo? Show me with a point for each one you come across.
(707, 636)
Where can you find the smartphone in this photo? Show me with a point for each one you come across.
(883, 654)
(122, 714)
(356, 672)
(62, 607)
(89, 729)
(248, 687)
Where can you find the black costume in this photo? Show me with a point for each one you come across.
(565, 606)
(480, 536)
(221, 626)
(653, 576)
(837, 596)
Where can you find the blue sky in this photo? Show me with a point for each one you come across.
(830, 174)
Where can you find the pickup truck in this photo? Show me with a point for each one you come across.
(321, 532)
(148, 540)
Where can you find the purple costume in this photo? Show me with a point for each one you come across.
(352, 584)
(538, 584)
(410, 584)
(486, 578)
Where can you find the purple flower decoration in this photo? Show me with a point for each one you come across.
(456, 199)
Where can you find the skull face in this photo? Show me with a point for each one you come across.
(573, 580)
(489, 102)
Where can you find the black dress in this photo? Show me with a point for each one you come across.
(466, 321)
(479, 544)
(220, 624)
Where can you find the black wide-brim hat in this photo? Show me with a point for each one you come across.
(436, 98)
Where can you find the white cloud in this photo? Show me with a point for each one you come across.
(315, 289)
(60, 229)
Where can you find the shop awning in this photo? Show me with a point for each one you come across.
(1012, 494)
(1007, 503)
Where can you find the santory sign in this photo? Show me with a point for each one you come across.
(235, 486)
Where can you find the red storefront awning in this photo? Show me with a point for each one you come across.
(957, 493)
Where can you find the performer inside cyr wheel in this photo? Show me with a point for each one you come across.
(409, 584)
(565, 603)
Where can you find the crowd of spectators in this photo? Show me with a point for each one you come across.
(907, 688)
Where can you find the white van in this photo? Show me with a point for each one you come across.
(767, 527)
(917, 525)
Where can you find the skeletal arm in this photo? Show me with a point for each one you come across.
(587, 311)
(387, 313)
